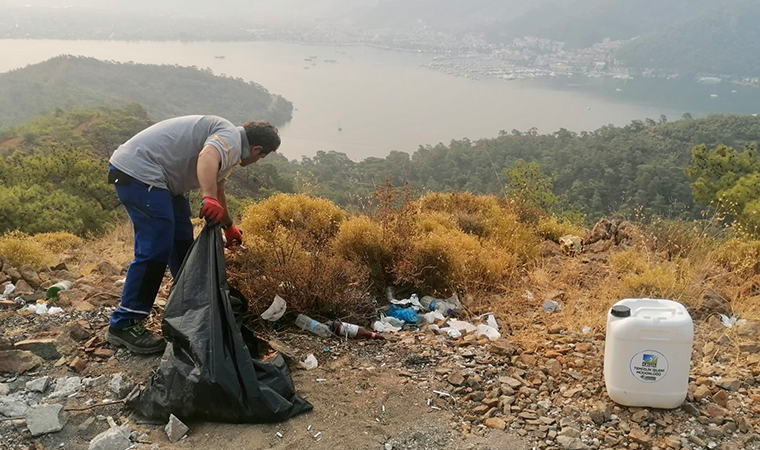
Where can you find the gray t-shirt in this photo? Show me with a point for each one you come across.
(165, 155)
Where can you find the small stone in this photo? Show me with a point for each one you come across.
(44, 419)
(750, 328)
(111, 439)
(511, 382)
(38, 384)
(701, 392)
(553, 368)
(120, 385)
(175, 429)
(480, 409)
(689, 408)
(502, 347)
(83, 306)
(495, 423)
(13, 273)
(570, 432)
(44, 348)
(556, 329)
(106, 268)
(103, 352)
(4, 389)
(641, 416)
(77, 331)
(744, 425)
(640, 437)
(18, 361)
(696, 440)
(729, 384)
(570, 393)
(714, 411)
(456, 379)
(571, 443)
(749, 347)
(30, 276)
(78, 364)
(721, 398)
(728, 428)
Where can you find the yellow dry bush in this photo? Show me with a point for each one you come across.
(363, 240)
(552, 228)
(313, 220)
(629, 262)
(514, 237)
(739, 256)
(655, 282)
(428, 222)
(22, 249)
(59, 242)
(472, 213)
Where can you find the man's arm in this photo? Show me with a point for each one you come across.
(226, 220)
(209, 161)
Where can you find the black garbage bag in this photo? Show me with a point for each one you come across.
(210, 371)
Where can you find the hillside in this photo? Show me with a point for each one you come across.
(442, 14)
(719, 41)
(165, 91)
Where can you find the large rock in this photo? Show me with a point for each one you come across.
(111, 439)
(12, 272)
(495, 423)
(23, 288)
(120, 385)
(44, 419)
(106, 268)
(44, 348)
(176, 430)
(71, 296)
(714, 302)
(18, 361)
(751, 328)
(30, 276)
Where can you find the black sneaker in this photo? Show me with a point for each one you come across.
(136, 338)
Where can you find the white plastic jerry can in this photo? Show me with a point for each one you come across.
(647, 353)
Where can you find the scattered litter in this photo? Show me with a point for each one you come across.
(411, 302)
(55, 310)
(452, 333)
(387, 324)
(309, 362)
(8, 291)
(308, 428)
(448, 306)
(528, 295)
(276, 310)
(728, 322)
(432, 317)
(321, 380)
(491, 322)
(435, 407)
(442, 394)
(316, 436)
(586, 330)
(551, 306)
(489, 332)
(462, 326)
(382, 408)
(571, 245)
(38, 308)
(408, 315)
(279, 435)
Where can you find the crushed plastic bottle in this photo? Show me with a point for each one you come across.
(306, 323)
(447, 307)
(351, 331)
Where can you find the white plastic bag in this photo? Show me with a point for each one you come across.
(490, 332)
(309, 362)
(461, 326)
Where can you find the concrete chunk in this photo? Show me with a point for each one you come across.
(111, 439)
(38, 384)
(44, 419)
(120, 385)
(65, 387)
(12, 406)
(175, 429)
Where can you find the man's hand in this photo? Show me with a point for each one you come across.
(211, 209)
(233, 236)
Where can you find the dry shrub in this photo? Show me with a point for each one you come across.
(22, 249)
(428, 222)
(629, 262)
(315, 221)
(677, 238)
(553, 228)
(364, 241)
(115, 246)
(738, 256)
(59, 242)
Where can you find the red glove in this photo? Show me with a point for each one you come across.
(211, 209)
(233, 236)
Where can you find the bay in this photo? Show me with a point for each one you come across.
(371, 101)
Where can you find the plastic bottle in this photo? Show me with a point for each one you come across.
(352, 331)
(647, 353)
(446, 307)
(306, 323)
(52, 291)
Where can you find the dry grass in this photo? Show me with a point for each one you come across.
(115, 246)
(552, 228)
(22, 249)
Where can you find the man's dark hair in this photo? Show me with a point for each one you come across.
(264, 134)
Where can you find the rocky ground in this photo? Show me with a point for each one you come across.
(538, 386)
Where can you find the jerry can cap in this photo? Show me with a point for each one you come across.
(620, 311)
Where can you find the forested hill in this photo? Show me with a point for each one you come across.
(165, 91)
(639, 167)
